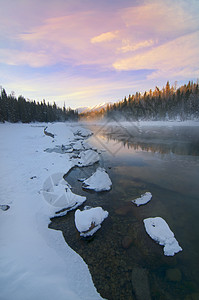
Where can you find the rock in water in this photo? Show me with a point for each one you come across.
(99, 181)
(140, 284)
(159, 231)
(126, 242)
(174, 275)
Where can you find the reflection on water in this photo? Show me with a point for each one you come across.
(121, 252)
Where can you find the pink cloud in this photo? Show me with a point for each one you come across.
(170, 58)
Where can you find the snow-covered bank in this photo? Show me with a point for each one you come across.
(36, 262)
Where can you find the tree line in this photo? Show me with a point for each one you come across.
(19, 109)
(168, 103)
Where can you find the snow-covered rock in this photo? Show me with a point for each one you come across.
(78, 145)
(99, 181)
(82, 132)
(61, 131)
(87, 158)
(89, 221)
(145, 198)
(159, 231)
(86, 145)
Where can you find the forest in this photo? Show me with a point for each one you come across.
(19, 109)
(168, 103)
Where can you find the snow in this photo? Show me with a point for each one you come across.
(89, 220)
(87, 158)
(145, 198)
(35, 261)
(78, 146)
(159, 231)
(62, 133)
(99, 181)
(57, 192)
(84, 132)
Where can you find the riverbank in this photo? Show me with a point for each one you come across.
(35, 262)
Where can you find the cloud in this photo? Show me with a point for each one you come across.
(17, 57)
(129, 46)
(105, 37)
(168, 18)
(175, 57)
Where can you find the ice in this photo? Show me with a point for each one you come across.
(35, 261)
(88, 158)
(145, 198)
(89, 221)
(99, 181)
(60, 195)
(159, 231)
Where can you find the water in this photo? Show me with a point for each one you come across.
(166, 163)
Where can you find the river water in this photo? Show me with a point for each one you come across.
(123, 260)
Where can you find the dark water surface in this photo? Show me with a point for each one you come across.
(125, 263)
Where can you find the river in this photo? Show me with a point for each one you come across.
(163, 160)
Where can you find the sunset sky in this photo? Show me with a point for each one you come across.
(86, 52)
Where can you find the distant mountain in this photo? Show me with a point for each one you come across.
(92, 108)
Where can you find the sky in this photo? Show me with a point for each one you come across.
(86, 52)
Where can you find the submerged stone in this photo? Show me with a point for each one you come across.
(140, 284)
(173, 275)
(126, 242)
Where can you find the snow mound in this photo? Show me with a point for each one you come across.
(99, 181)
(82, 132)
(61, 131)
(87, 158)
(89, 221)
(145, 198)
(57, 192)
(159, 231)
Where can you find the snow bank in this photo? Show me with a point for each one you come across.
(159, 231)
(145, 198)
(87, 158)
(35, 261)
(99, 181)
(89, 220)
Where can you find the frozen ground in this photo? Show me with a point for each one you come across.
(36, 262)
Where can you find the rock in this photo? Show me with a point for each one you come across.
(140, 284)
(173, 275)
(126, 242)
(124, 210)
(194, 296)
(4, 207)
